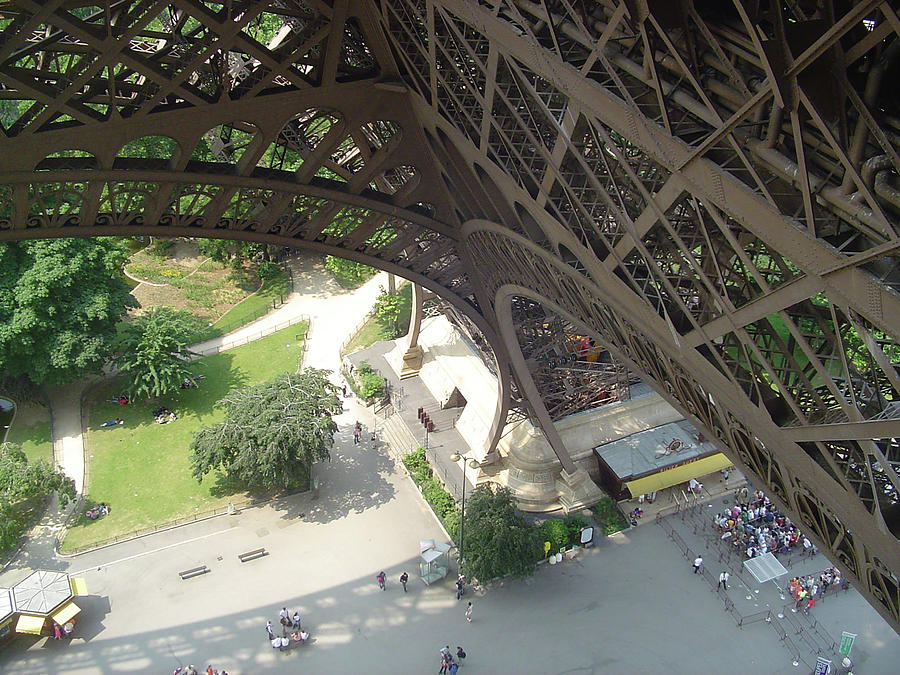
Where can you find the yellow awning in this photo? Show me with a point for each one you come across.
(678, 474)
(66, 612)
(29, 624)
(79, 587)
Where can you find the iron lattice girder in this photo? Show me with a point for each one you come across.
(727, 177)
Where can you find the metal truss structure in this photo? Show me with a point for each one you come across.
(707, 189)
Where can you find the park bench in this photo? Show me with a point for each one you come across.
(252, 555)
(196, 571)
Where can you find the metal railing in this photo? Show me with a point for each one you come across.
(159, 527)
(806, 630)
(256, 336)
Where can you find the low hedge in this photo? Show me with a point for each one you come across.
(440, 501)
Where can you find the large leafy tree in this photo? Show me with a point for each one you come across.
(21, 483)
(387, 312)
(60, 300)
(154, 351)
(272, 432)
(498, 539)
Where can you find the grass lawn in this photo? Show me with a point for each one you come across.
(142, 469)
(252, 307)
(371, 332)
(31, 431)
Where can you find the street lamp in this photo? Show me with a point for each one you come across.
(475, 464)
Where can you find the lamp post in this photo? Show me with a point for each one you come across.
(474, 463)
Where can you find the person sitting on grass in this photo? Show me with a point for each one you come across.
(102, 509)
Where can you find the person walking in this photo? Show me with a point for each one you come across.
(460, 655)
(723, 580)
(469, 612)
(698, 561)
(444, 664)
(380, 579)
(403, 579)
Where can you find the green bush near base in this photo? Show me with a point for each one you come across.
(609, 516)
(440, 501)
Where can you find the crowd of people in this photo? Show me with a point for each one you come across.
(756, 526)
(190, 670)
(291, 631)
(449, 664)
(807, 589)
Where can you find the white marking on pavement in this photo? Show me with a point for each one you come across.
(156, 550)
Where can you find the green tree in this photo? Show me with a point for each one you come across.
(272, 432)
(498, 540)
(22, 482)
(387, 312)
(154, 351)
(227, 251)
(60, 301)
(347, 272)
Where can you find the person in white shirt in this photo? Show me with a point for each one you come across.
(697, 562)
(723, 580)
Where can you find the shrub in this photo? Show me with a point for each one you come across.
(574, 525)
(266, 270)
(609, 515)
(555, 532)
(371, 385)
(347, 272)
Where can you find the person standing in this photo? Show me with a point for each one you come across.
(380, 579)
(403, 579)
(460, 655)
(295, 621)
(698, 561)
(269, 631)
(723, 580)
(460, 587)
(469, 612)
(284, 613)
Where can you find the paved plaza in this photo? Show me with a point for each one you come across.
(630, 604)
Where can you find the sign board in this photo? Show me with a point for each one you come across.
(846, 643)
(587, 535)
(823, 666)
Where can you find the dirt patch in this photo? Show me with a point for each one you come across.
(183, 278)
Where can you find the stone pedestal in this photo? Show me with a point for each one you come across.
(577, 490)
(412, 362)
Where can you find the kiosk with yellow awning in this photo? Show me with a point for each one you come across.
(43, 599)
(7, 614)
(655, 459)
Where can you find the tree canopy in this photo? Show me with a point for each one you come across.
(497, 538)
(272, 432)
(387, 312)
(60, 300)
(21, 481)
(153, 351)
